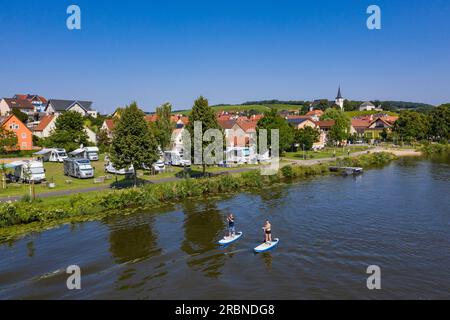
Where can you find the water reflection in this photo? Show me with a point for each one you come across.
(203, 223)
(133, 240)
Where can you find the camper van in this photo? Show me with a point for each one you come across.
(78, 168)
(90, 153)
(52, 155)
(175, 158)
(109, 168)
(28, 171)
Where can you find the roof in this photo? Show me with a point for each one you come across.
(367, 104)
(247, 125)
(339, 95)
(5, 119)
(31, 97)
(45, 121)
(19, 104)
(226, 124)
(109, 124)
(63, 105)
(325, 123)
(315, 113)
(357, 123)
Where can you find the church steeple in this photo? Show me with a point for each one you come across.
(339, 95)
(339, 99)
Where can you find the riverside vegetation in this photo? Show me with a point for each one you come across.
(43, 212)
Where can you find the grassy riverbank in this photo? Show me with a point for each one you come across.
(21, 217)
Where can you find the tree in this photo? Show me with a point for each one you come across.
(341, 129)
(103, 140)
(8, 140)
(163, 127)
(201, 111)
(133, 142)
(440, 122)
(272, 120)
(20, 115)
(69, 132)
(412, 125)
(306, 137)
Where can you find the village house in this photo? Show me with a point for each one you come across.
(8, 104)
(301, 122)
(23, 133)
(324, 126)
(37, 101)
(375, 129)
(57, 107)
(315, 114)
(45, 126)
(368, 106)
(358, 127)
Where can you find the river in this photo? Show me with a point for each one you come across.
(330, 228)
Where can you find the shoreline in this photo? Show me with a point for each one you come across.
(18, 219)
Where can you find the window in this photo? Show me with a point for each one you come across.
(24, 135)
(14, 126)
(24, 145)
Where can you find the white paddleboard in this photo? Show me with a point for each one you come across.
(228, 240)
(267, 245)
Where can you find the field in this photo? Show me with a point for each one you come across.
(352, 114)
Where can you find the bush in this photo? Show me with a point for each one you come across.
(287, 172)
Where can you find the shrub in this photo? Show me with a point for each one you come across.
(287, 172)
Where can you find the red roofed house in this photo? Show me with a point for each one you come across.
(7, 105)
(108, 126)
(315, 114)
(45, 126)
(324, 126)
(37, 101)
(24, 134)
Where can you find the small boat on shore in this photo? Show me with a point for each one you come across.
(347, 170)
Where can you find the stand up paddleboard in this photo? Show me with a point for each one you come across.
(266, 246)
(227, 240)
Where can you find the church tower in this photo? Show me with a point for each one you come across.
(339, 100)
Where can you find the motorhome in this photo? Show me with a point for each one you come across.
(90, 153)
(78, 168)
(175, 158)
(51, 154)
(28, 171)
(109, 168)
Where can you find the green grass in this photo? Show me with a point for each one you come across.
(325, 153)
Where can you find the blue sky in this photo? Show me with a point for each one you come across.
(229, 51)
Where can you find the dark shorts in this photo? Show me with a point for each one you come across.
(268, 231)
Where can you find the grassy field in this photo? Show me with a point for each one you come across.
(325, 153)
(54, 173)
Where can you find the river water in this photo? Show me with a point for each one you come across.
(331, 230)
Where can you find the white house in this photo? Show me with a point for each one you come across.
(45, 126)
(7, 105)
(368, 106)
(56, 106)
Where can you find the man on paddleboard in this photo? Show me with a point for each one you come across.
(267, 231)
(231, 227)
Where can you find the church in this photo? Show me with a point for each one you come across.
(339, 101)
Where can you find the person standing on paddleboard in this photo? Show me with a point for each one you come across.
(231, 227)
(267, 231)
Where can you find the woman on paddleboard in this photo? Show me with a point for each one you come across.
(267, 231)
(231, 227)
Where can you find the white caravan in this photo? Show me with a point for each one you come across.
(109, 168)
(175, 158)
(52, 154)
(28, 171)
(78, 168)
(90, 153)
